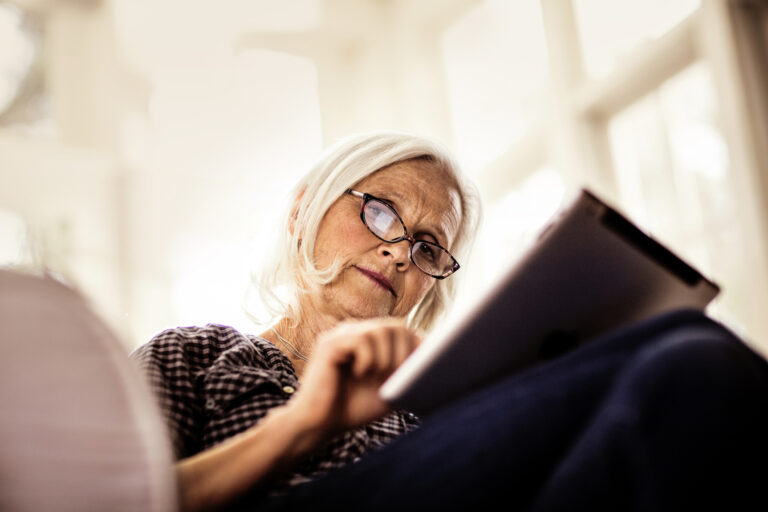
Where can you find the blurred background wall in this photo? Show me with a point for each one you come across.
(147, 147)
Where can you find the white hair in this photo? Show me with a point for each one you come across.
(292, 271)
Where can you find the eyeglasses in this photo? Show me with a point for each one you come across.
(383, 221)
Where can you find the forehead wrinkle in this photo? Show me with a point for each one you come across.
(434, 224)
(387, 182)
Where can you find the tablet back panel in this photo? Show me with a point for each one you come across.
(591, 270)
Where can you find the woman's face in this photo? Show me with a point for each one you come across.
(378, 278)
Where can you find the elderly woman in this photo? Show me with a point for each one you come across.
(368, 251)
(377, 228)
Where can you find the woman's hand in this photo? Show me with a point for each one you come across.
(339, 390)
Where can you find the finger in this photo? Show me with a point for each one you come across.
(404, 345)
(339, 351)
(411, 343)
(384, 348)
(381, 335)
(364, 355)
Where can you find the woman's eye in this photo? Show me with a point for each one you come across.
(427, 252)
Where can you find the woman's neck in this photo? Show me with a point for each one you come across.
(300, 336)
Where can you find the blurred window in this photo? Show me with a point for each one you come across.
(512, 224)
(17, 55)
(24, 104)
(672, 168)
(611, 30)
(496, 63)
(237, 162)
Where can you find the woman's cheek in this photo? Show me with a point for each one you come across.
(419, 291)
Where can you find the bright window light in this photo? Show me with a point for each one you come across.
(610, 30)
(674, 180)
(496, 63)
(16, 56)
(512, 224)
(230, 142)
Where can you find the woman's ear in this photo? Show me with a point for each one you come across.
(295, 211)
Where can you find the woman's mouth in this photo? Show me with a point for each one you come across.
(377, 278)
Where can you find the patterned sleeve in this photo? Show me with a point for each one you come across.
(385, 430)
(213, 382)
(170, 370)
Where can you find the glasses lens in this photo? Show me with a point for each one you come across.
(432, 259)
(383, 221)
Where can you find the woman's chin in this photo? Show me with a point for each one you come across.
(373, 311)
(369, 309)
(360, 301)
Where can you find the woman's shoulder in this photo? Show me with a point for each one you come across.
(196, 371)
(201, 346)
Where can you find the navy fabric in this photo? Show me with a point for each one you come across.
(671, 413)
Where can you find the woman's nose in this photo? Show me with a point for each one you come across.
(399, 252)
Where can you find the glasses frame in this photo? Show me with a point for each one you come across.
(367, 198)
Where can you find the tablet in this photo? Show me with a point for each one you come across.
(591, 270)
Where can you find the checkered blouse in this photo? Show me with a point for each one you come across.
(214, 382)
